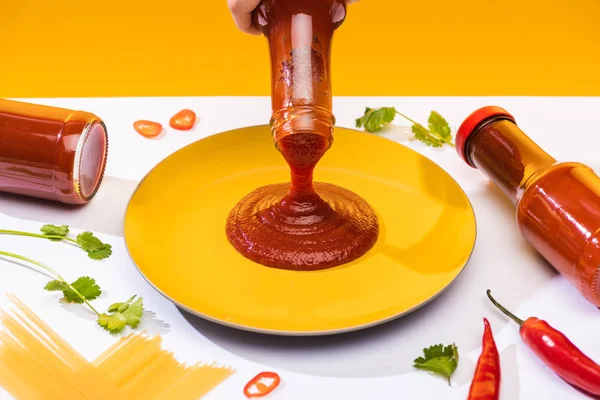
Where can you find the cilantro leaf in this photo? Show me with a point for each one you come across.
(93, 246)
(120, 307)
(112, 323)
(439, 126)
(374, 119)
(423, 135)
(439, 360)
(55, 230)
(56, 285)
(104, 252)
(85, 285)
(122, 314)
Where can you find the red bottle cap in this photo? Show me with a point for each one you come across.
(471, 123)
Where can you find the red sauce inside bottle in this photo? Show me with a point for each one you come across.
(51, 153)
(557, 203)
(302, 225)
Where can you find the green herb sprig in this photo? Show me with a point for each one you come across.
(438, 134)
(84, 289)
(87, 241)
(438, 359)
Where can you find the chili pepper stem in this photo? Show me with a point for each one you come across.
(504, 310)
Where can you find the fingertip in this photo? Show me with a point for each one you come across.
(246, 26)
(240, 7)
(234, 6)
(241, 11)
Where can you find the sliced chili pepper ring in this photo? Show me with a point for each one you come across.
(183, 120)
(148, 129)
(257, 387)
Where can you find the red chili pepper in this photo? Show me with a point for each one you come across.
(557, 352)
(148, 129)
(257, 388)
(183, 120)
(486, 380)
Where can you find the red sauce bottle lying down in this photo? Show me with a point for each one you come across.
(558, 203)
(51, 153)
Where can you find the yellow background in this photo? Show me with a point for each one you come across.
(386, 47)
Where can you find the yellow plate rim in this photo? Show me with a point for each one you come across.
(297, 333)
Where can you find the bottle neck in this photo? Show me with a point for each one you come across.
(507, 156)
(300, 35)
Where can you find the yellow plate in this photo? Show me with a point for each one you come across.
(175, 234)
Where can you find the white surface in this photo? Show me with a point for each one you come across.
(373, 364)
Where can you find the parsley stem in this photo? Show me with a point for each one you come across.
(53, 272)
(447, 141)
(37, 235)
(405, 117)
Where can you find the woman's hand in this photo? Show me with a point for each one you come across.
(241, 10)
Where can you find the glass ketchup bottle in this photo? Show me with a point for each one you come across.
(301, 225)
(51, 153)
(558, 203)
(300, 35)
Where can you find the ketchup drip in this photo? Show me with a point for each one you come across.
(301, 225)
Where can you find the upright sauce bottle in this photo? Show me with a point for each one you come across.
(558, 203)
(51, 153)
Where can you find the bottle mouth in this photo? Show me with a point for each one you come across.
(90, 159)
(302, 119)
(470, 125)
